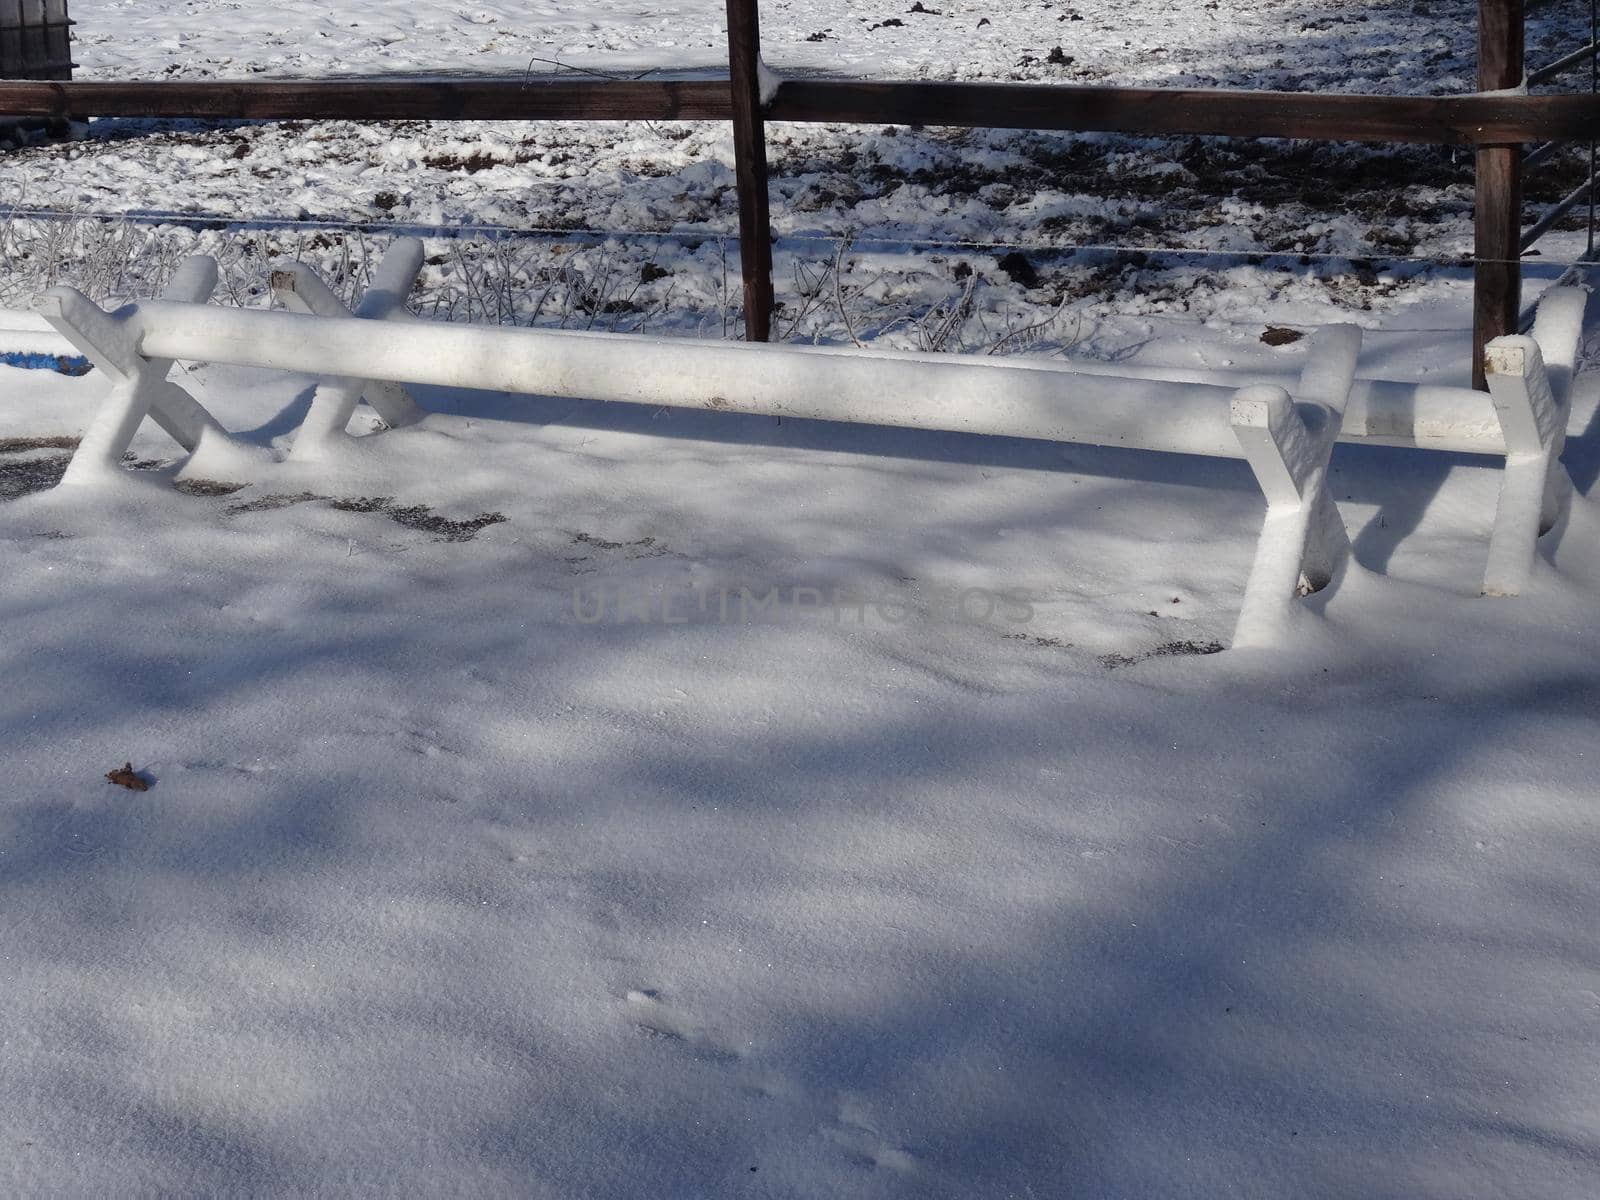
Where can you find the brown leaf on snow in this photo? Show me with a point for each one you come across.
(126, 776)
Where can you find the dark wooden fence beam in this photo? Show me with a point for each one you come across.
(1497, 207)
(1446, 120)
(377, 100)
(750, 167)
(1438, 120)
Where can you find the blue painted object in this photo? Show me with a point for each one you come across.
(28, 360)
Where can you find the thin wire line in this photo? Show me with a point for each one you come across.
(423, 229)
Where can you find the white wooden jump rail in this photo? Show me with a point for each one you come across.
(1284, 428)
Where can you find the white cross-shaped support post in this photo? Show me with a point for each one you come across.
(1288, 443)
(140, 385)
(300, 289)
(1536, 485)
(1530, 381)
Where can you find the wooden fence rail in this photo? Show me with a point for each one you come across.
(376, 100)
(1328, 116)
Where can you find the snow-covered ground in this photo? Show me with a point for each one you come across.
(444, 886)
(1243, 42)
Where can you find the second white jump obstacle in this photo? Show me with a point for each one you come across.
(1285, 429)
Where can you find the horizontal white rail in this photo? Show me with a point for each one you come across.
(1385, 412)
(1004, 397)
(31, 333)
(1398, 413)
(822, 383)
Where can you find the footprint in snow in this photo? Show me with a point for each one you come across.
(657, 1019)
(858, 1135)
